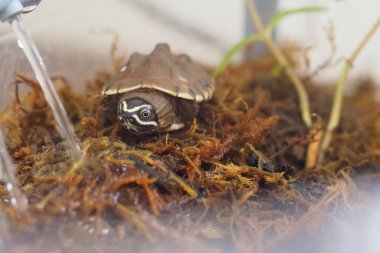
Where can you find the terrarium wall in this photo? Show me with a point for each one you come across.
(75, 37)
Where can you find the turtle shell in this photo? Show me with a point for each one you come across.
(161, 70)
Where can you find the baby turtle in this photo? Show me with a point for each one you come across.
(158, 92)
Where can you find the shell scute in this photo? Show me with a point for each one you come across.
(161, 70)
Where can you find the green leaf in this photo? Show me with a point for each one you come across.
(284, 13)
(236, 48)
(256, 37)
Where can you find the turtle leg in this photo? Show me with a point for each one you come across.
(175, 127)
(186, 112)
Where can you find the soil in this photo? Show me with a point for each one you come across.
(233, 182)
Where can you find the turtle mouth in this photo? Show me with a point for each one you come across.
(127, 123)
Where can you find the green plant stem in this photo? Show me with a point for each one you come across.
(283, 62)
(284, 13)
(227, 58)
(257, 37)
(340, 87)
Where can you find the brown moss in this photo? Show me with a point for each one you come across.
(231, 180)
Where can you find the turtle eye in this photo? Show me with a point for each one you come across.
(145, 114)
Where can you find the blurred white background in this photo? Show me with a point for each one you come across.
(351, 19)
(72, 35)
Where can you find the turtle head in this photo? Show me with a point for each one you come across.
(137, 115)
(146, 111)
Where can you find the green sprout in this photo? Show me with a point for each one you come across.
(277, 18)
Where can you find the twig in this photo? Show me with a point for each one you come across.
(332, 60)
(283, 62)
(339, 92)
(316, 135)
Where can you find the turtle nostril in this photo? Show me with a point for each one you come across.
(124, 116)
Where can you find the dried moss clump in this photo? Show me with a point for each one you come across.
(234, 181)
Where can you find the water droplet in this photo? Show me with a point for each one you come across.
(9, 187)
(91, 230)
(115, 197)
(13, 201)
(19, 43)
(105, 231)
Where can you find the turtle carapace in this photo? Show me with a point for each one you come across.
(158, 92)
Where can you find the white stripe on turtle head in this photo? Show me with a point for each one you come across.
(134, 109)
(144, 123)
(130, 126)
